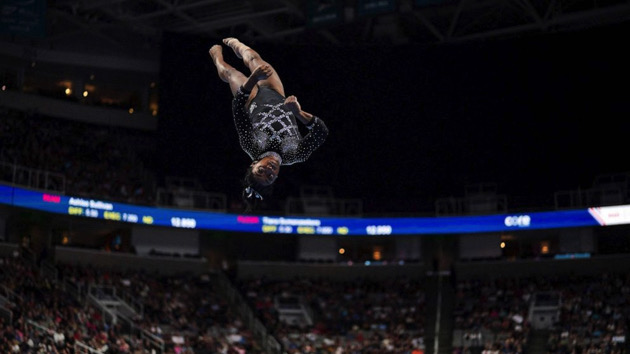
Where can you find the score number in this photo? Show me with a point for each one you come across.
(379, 230)
(187, 223)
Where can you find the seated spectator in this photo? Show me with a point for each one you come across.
(351, 316)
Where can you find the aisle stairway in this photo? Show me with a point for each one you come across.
(239, 306)
(440, 302)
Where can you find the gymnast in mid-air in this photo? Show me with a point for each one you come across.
(266, 120)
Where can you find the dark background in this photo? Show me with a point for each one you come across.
(412, 123)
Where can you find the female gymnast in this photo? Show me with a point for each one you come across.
(265, 120)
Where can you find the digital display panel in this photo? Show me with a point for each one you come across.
(205, 220)
(6, 194)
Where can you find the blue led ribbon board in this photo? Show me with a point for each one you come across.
(191, 219)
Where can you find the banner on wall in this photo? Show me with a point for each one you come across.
(324, 12)
(23, 17)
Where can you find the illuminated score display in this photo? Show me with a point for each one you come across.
(379, 229)
(189, 219)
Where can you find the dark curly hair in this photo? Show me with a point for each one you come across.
(253, 192)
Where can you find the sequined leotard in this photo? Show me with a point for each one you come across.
(268, 128)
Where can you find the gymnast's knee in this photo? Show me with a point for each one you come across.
(226, 73)
(250, 55)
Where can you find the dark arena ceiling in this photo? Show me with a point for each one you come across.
(141, 22)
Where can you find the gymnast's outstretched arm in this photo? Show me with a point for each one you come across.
(292, 104)
(316, 136)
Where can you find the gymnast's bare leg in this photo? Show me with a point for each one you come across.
(253, 60)
(226, 72)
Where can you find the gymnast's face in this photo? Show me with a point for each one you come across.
(265, 171)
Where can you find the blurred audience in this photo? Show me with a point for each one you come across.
(492, 314)
(594, 315)
(183, 311)
(97, 161)
(361, 316)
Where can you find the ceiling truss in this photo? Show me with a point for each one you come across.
(125, 22)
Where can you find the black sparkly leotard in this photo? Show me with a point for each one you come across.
(266, 127)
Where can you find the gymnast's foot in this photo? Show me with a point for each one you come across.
(236, 46)
(216, 53)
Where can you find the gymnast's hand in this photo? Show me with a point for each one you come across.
(291, 103)
(262, 72)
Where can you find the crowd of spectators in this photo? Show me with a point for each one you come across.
(97, 161)
(492, 314)
(45, 319)
(175, 307)
(594, 315)
(593, 312)
(185, 313)
(359, 316)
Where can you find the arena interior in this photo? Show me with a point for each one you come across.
(473, 194)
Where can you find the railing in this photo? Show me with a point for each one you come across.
(315, 206)
(33, 178)
(598, 196)
(102, 292)
(134, 304)
(123, 299)
(270, 344)
(73, 289)
(7, 296)
(292, 306)
(308, 313)
(544, 310)
(187, 199)
(154, 340)
(39, 327)
(109, 318)
(96, 296)
(471, 205)
(80, 347)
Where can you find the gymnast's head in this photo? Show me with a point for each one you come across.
(259, 179)
(265, 171)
